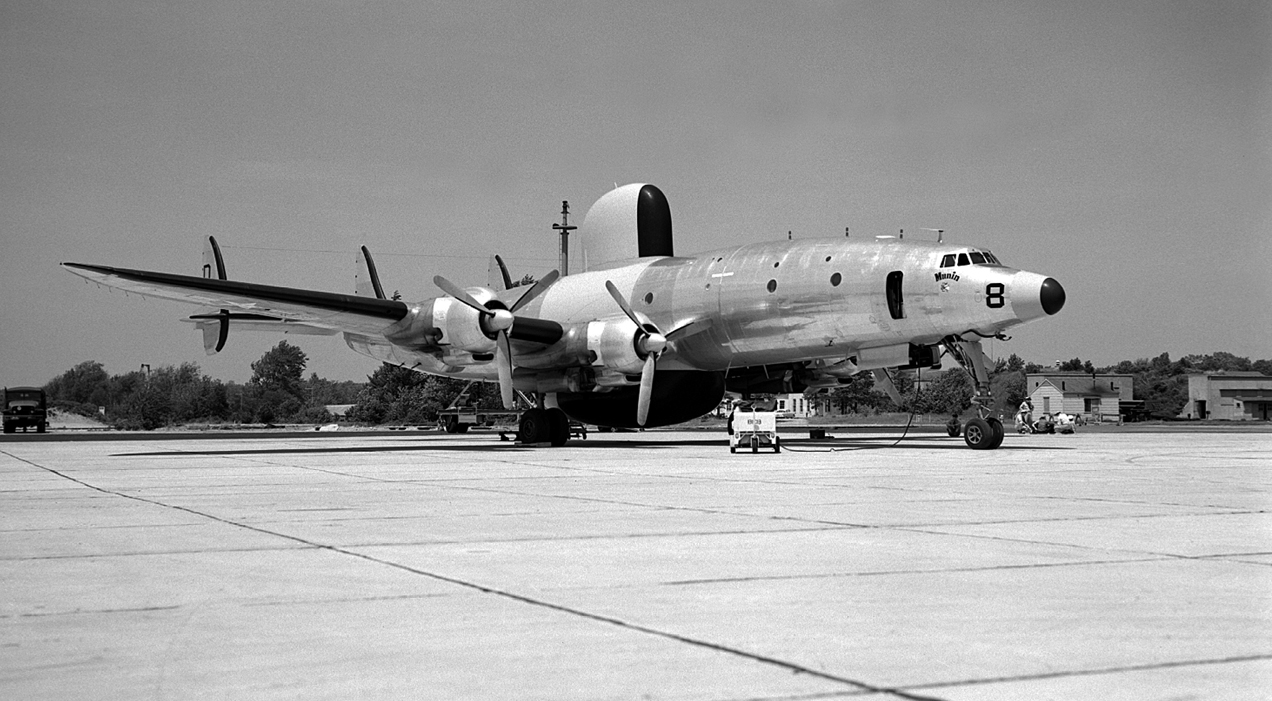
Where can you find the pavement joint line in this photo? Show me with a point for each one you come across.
(1030, 541)
(1095, 672)
(889, 573)
(512, 596)
(46, 614)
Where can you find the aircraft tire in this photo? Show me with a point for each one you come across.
(999, 432)
(450, 424)
(558, 427)
(978, 435)
(534, 426)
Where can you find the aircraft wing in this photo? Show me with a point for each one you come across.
(285, 306)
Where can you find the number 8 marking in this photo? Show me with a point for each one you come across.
(994, 295)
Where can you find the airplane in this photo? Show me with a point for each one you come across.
(645, 338)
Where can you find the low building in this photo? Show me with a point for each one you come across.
(1229, 396)
(1096, 397)
(795, 406)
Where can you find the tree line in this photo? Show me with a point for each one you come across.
(278, 392)
(167, 396)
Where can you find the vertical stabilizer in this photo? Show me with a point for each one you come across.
(498, 276)
(213, 263)
(366, 281)
(214, 325)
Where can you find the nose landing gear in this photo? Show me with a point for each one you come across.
(985, 432)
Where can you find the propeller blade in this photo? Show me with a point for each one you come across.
(692, 328)
(646, 389)
(539, 288)
(622, 303)
(503, 363)
(458, 293)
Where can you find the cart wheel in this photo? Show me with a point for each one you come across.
(777, 445)
(733, 449)
(755, 444)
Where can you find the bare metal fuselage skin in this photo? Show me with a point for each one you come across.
(822, 300)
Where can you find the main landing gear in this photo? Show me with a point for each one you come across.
(544, 425)
(985, 432)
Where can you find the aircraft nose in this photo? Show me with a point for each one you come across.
(1052, 296)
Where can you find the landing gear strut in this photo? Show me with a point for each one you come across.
(985, 432)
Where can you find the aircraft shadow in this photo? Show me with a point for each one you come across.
(793, 445)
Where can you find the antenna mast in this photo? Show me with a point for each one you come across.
(565, 229)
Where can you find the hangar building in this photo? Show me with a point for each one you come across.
(1231, 396)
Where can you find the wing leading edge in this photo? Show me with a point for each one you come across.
(326, 310)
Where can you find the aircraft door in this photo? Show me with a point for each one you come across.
(896, 302)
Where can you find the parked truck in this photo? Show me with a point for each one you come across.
(24, 408)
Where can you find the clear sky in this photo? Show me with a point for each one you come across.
(1124, 148)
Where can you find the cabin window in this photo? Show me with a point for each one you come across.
(649, 298)
(772, 286)
(948, 260)
(836, 279)
(896, 305)
(977, 258)
(962, 259)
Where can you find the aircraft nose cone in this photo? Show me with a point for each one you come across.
(1052, 296)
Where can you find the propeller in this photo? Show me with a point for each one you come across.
(651, 343)
(496, 322)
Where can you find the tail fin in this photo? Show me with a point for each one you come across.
(366, 281)
(213, 263)
(215, 326)
(505, 278)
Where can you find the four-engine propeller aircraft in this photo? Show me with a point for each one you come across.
(647, 338)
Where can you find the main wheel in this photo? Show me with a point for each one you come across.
(978, 434)
(999, 432)
(534, 427)
(558, 427)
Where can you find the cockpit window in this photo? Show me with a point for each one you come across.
(991, 259)
(962, 259)
(948, 260)
(977, 258)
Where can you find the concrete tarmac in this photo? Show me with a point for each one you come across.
(1104, 565)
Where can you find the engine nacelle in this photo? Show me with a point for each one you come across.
(443, 321)
(614, 344)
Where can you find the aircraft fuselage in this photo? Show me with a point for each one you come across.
(772, 302)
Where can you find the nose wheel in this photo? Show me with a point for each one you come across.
(984, 434)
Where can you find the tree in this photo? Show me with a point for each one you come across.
(84, 384)
(858, 395)
(280, 369)
(951, 393)
(1074, 365)
(276, 378)
(396, 394)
